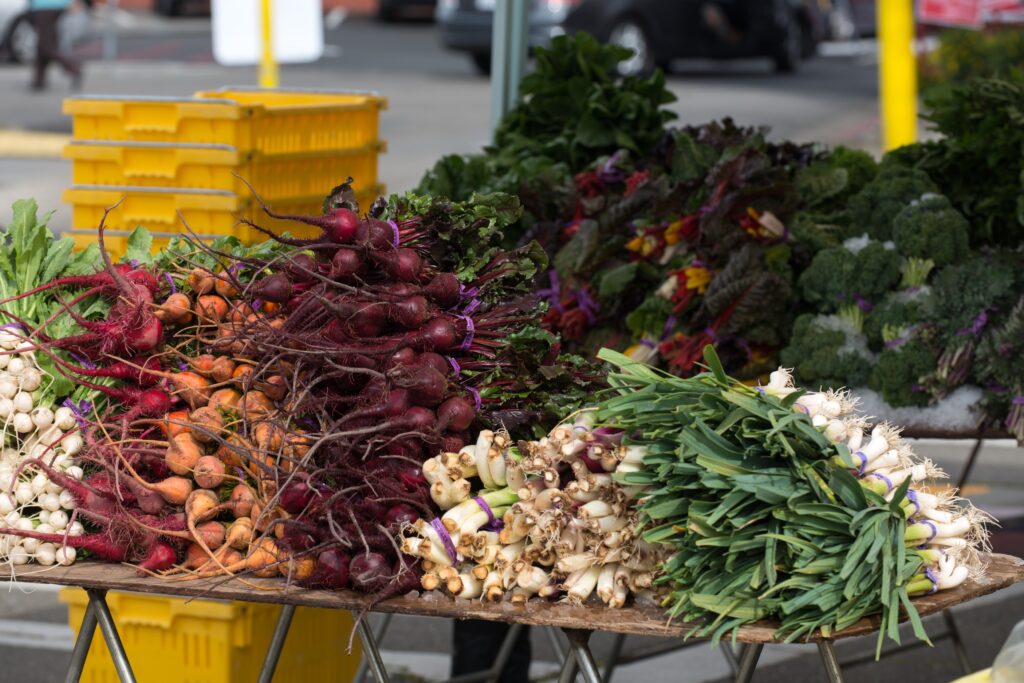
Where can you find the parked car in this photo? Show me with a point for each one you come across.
(172, 8)
(392, 10)
(17, 35)
(658, 31)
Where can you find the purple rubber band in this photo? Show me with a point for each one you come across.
(931, 577)
(912, 497)
(470, 330)
(552, 293)
(670, 324)
(170, 281)
(587, 305)
(468, 293)
(863, 463)
(446, 540)
(760, 390)
(256, 304)
(455, 366)
(78, 410)
(82, 360)
(1017, 400)
(931, 527)
(485, 507)
(394, 229)
(471, 306)
(134, 263)
(802, 408)
(16, 325)
(648, 343)
(476, 397)
(182, 366)
(884, 478)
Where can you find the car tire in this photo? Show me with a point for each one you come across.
(387, 12)
(482, 63)
(20, 41)
(168, 8)
(791, 46)
(629, 33)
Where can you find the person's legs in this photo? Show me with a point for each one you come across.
(48, 47)
(475, 645)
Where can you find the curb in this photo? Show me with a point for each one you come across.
(32, 144)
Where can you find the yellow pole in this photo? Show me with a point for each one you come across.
(268, 65)
(897, 72)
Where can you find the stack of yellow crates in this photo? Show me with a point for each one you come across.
(178, 164)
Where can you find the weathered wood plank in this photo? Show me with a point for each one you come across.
(1003, 571)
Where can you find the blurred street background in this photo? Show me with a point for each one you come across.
(440, 104)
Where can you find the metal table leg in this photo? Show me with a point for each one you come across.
(98, 602)
(958, 643)
(831, 662)
(969, 465)
(556, 642)
(373, 659)
(749, 655)
(569, 669)
(613, 656)
(730, 658)
(82, 643)
(580, 651)
(284, 622)
(378, 635)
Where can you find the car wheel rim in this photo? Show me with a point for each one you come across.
(632, 37)
(23, 42)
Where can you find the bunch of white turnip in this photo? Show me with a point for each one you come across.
(33, 428)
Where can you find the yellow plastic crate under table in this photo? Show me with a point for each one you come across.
(214, 641)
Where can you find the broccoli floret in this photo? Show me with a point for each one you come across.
(873, 209)
(899, 371)
(838, 275)
(930, 228)
(827, 351)
(860, 167)
(963, 295)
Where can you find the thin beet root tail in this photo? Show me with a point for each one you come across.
(122, 284)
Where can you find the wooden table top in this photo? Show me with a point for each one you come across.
(643, 620)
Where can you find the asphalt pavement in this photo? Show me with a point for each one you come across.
(439, 105)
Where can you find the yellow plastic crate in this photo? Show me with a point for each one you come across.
(219, 168)
(160, 119)
(206, 213)
(212, 641)
(270, 122)
(289, 121)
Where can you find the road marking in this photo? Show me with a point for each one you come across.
(32, 144)
(37, 635)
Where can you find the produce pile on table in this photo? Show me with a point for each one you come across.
(267, 409)
(901, 278)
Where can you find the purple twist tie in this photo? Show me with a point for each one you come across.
(470, 330)
(862, 303)
(78, 410)
(931, 527)
(256, 304)
(931, 577)
(14, 325)
(170, 281)
(863, 463)
(1018, 401)
(445, 539)
(885, 479)
(893, 343)
(394, 229)
(912, 497)
(976, 326)
(553, 292)
(455, 366)
(648, 343)
(468, 292)
(476, 397)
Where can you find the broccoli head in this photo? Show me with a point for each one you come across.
(838, 275)
(963, 295)
(860, 167)
(899, 371)
(827, 351)
(930, 228)
(873, 209)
